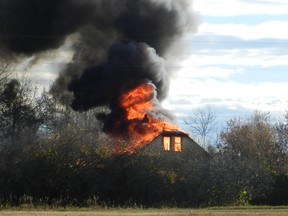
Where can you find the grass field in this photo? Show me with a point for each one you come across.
(149, 212)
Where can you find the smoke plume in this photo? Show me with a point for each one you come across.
(118, 44)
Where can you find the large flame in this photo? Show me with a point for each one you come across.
(145, 122)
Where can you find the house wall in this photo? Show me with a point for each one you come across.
(189, 148)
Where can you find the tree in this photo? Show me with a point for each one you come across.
(57, 115)
(64, 166)
(236, 181)
(279, 194)
(254, 138)
(19, 124)
(5, 72)
(47, 150)
(251, 160)
(282, 135)
(202, 123)
(18, 111)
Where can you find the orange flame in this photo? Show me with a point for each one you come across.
(140, 107)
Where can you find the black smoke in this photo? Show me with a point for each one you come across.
(129, 65)
(118, 44)
(32, 26)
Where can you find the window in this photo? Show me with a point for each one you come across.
(166, 143)
(171, 143)
(177, 144)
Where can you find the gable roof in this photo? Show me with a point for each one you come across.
(174, 133)
(189, 147)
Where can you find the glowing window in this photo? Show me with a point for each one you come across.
(166, 143)
(177, 144)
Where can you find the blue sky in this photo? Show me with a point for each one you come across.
(236, 63)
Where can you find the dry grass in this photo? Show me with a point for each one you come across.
(153, 212)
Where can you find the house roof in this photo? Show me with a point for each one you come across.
(190, 147)
(174, 133)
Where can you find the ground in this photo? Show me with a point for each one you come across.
(151, 212)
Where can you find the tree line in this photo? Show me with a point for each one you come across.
(51, 155)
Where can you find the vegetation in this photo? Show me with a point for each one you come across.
(51, 155)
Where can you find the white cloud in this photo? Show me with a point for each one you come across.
(203, 80)
(212, 74)
(272, 1)
(238, 7)
(265, 96)
(236, 58)
(206, 72)
(271, 29)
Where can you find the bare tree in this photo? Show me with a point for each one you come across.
(202, 123)
(5, 72)
(18, 110)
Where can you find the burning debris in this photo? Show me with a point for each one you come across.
(119, 54)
